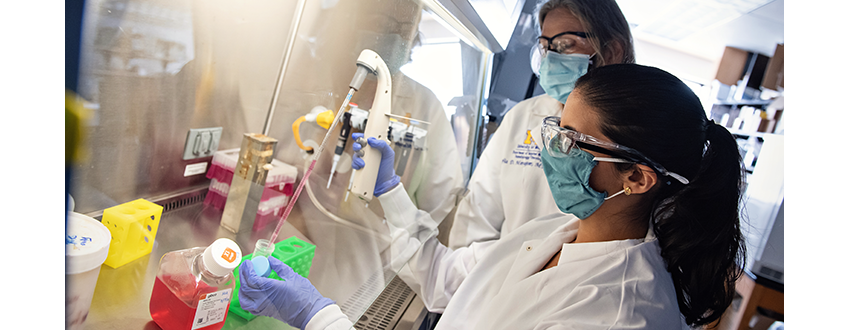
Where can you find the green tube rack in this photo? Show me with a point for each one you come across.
(292, 251)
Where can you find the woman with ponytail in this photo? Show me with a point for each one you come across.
(649, 236)
(696, 222)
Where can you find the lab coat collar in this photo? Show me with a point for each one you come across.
(534, 254)
(583, 251)
(545, 106)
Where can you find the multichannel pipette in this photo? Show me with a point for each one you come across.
(369, 61)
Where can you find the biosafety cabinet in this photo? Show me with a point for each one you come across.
(170, 88)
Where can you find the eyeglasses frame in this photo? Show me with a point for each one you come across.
(549, 40)
(584, 141)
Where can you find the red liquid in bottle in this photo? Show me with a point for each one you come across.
(176, 310)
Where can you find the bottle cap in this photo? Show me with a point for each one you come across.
(261, 266)
(222, 256)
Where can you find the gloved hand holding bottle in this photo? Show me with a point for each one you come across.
(294, 300)
(387, 179)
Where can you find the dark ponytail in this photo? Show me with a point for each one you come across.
(697, 224)
(698, 228)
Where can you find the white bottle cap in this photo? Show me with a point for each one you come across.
(222, 256)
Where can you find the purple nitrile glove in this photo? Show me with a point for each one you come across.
(293, 300)
(387, 179)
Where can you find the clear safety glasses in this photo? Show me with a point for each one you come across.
(569, 42)
(563, 43)
(559, 143)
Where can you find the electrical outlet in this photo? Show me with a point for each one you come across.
(201, 142)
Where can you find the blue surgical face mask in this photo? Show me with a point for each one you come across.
(569, 180)
(559, 72)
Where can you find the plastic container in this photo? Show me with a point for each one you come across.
(86, 248)
(133, 226)
(292, 251)
(280, 178)
(270, 210)
(280, 185)
(193, 287)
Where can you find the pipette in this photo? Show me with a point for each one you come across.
(309, 170)
(356, 82)
(340, 144)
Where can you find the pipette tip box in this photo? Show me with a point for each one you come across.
(280, 182)
(133, 227)
(292, 251)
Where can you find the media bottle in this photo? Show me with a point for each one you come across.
(193, 287)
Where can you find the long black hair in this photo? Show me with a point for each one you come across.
(697, 224)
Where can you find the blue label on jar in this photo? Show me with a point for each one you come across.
(77, 240)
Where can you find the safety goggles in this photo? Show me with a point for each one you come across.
(559, 142)
(562, 43)
(566, 43)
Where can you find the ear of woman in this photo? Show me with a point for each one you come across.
(639, 180)
(614, 54)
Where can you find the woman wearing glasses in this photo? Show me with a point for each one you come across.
(575, 37)
(654, 243)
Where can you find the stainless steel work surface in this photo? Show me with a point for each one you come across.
(351, 265)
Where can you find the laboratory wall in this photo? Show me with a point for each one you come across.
(700, 68)
(151, 70)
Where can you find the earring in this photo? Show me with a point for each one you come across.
(628, 191)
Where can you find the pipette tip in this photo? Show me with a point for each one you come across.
(309, 170)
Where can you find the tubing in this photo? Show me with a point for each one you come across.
(295, 131)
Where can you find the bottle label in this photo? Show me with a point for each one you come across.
(212, 308)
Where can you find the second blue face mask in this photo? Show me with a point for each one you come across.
(569, 181)
(559, 72)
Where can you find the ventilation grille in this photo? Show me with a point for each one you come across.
(183, 200)
(387, 309)
(360, 300)
(366, 293)
(170, 202)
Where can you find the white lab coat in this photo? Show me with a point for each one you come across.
(498, 284)
(508, 187)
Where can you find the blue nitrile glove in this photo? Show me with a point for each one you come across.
(386, 173)
(294, 300)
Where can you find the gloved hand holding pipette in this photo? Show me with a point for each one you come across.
(294, 300)
(387, 179)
